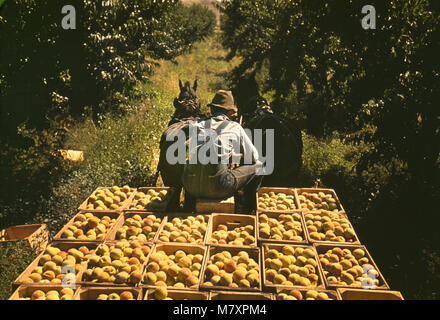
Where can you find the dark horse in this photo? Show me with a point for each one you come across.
(187, 107)
(288, 145)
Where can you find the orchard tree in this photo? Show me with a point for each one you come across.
(326, 68)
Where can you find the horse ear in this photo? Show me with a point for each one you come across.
(180, 85)
(195, 85)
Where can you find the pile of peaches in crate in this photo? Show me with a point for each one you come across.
(123, 244)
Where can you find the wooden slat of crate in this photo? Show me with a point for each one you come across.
(83, 282)
(111, 236)
(125, 204)
(230, 295)
(273, 287)
(63, 246)
(157, 189)
(340, 213)
(276, 214)
(233, 221)
(171, 248)
(254, 253)
(28, 290)
(333, 294)
(100, 214)
(359, 294)
(170, 216)
(92, 293)
(299, 191)
(71, 155)
(287, 191)
(210, 206)
(37, 235)
(180, 294)
(322, 248)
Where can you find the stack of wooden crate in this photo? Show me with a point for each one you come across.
(225, 240)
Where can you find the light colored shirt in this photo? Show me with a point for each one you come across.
(220, 138)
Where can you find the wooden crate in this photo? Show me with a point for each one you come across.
(323, 248)
(71, 155)
(171, 216)
(272, 287)
(92, 293)
(210, 206)
(36, 235)
(276, 214)
(111, 236)
(254, 253)
(85, 283)
(341, 214)
(64, 246)
(125, 204)
(28, 290)
(180, 295)
(299, 191)
(100, 214)
(232, 296)
(231, 221)
(287, 191)
(359, 294)
(171, 249)
(145, 189)
(334, 295)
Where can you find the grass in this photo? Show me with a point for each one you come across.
(14, 259)
(206, 62)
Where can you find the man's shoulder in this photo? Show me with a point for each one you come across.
(221, 122)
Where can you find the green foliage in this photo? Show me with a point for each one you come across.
(28, 171)
(14, 259)
(324, 67)
(377, 88)
(120, 152)
(184, 26)
(321, 157)
(97, 65)
(331, 162)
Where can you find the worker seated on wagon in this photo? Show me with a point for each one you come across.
(215, 150)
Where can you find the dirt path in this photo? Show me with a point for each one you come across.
(206, 62)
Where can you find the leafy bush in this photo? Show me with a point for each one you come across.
(184, 26)
(392, 218)
(120, 152)
(331, 162)
(14, 259)
(28, 170)
(97, 65)
(323, 64)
